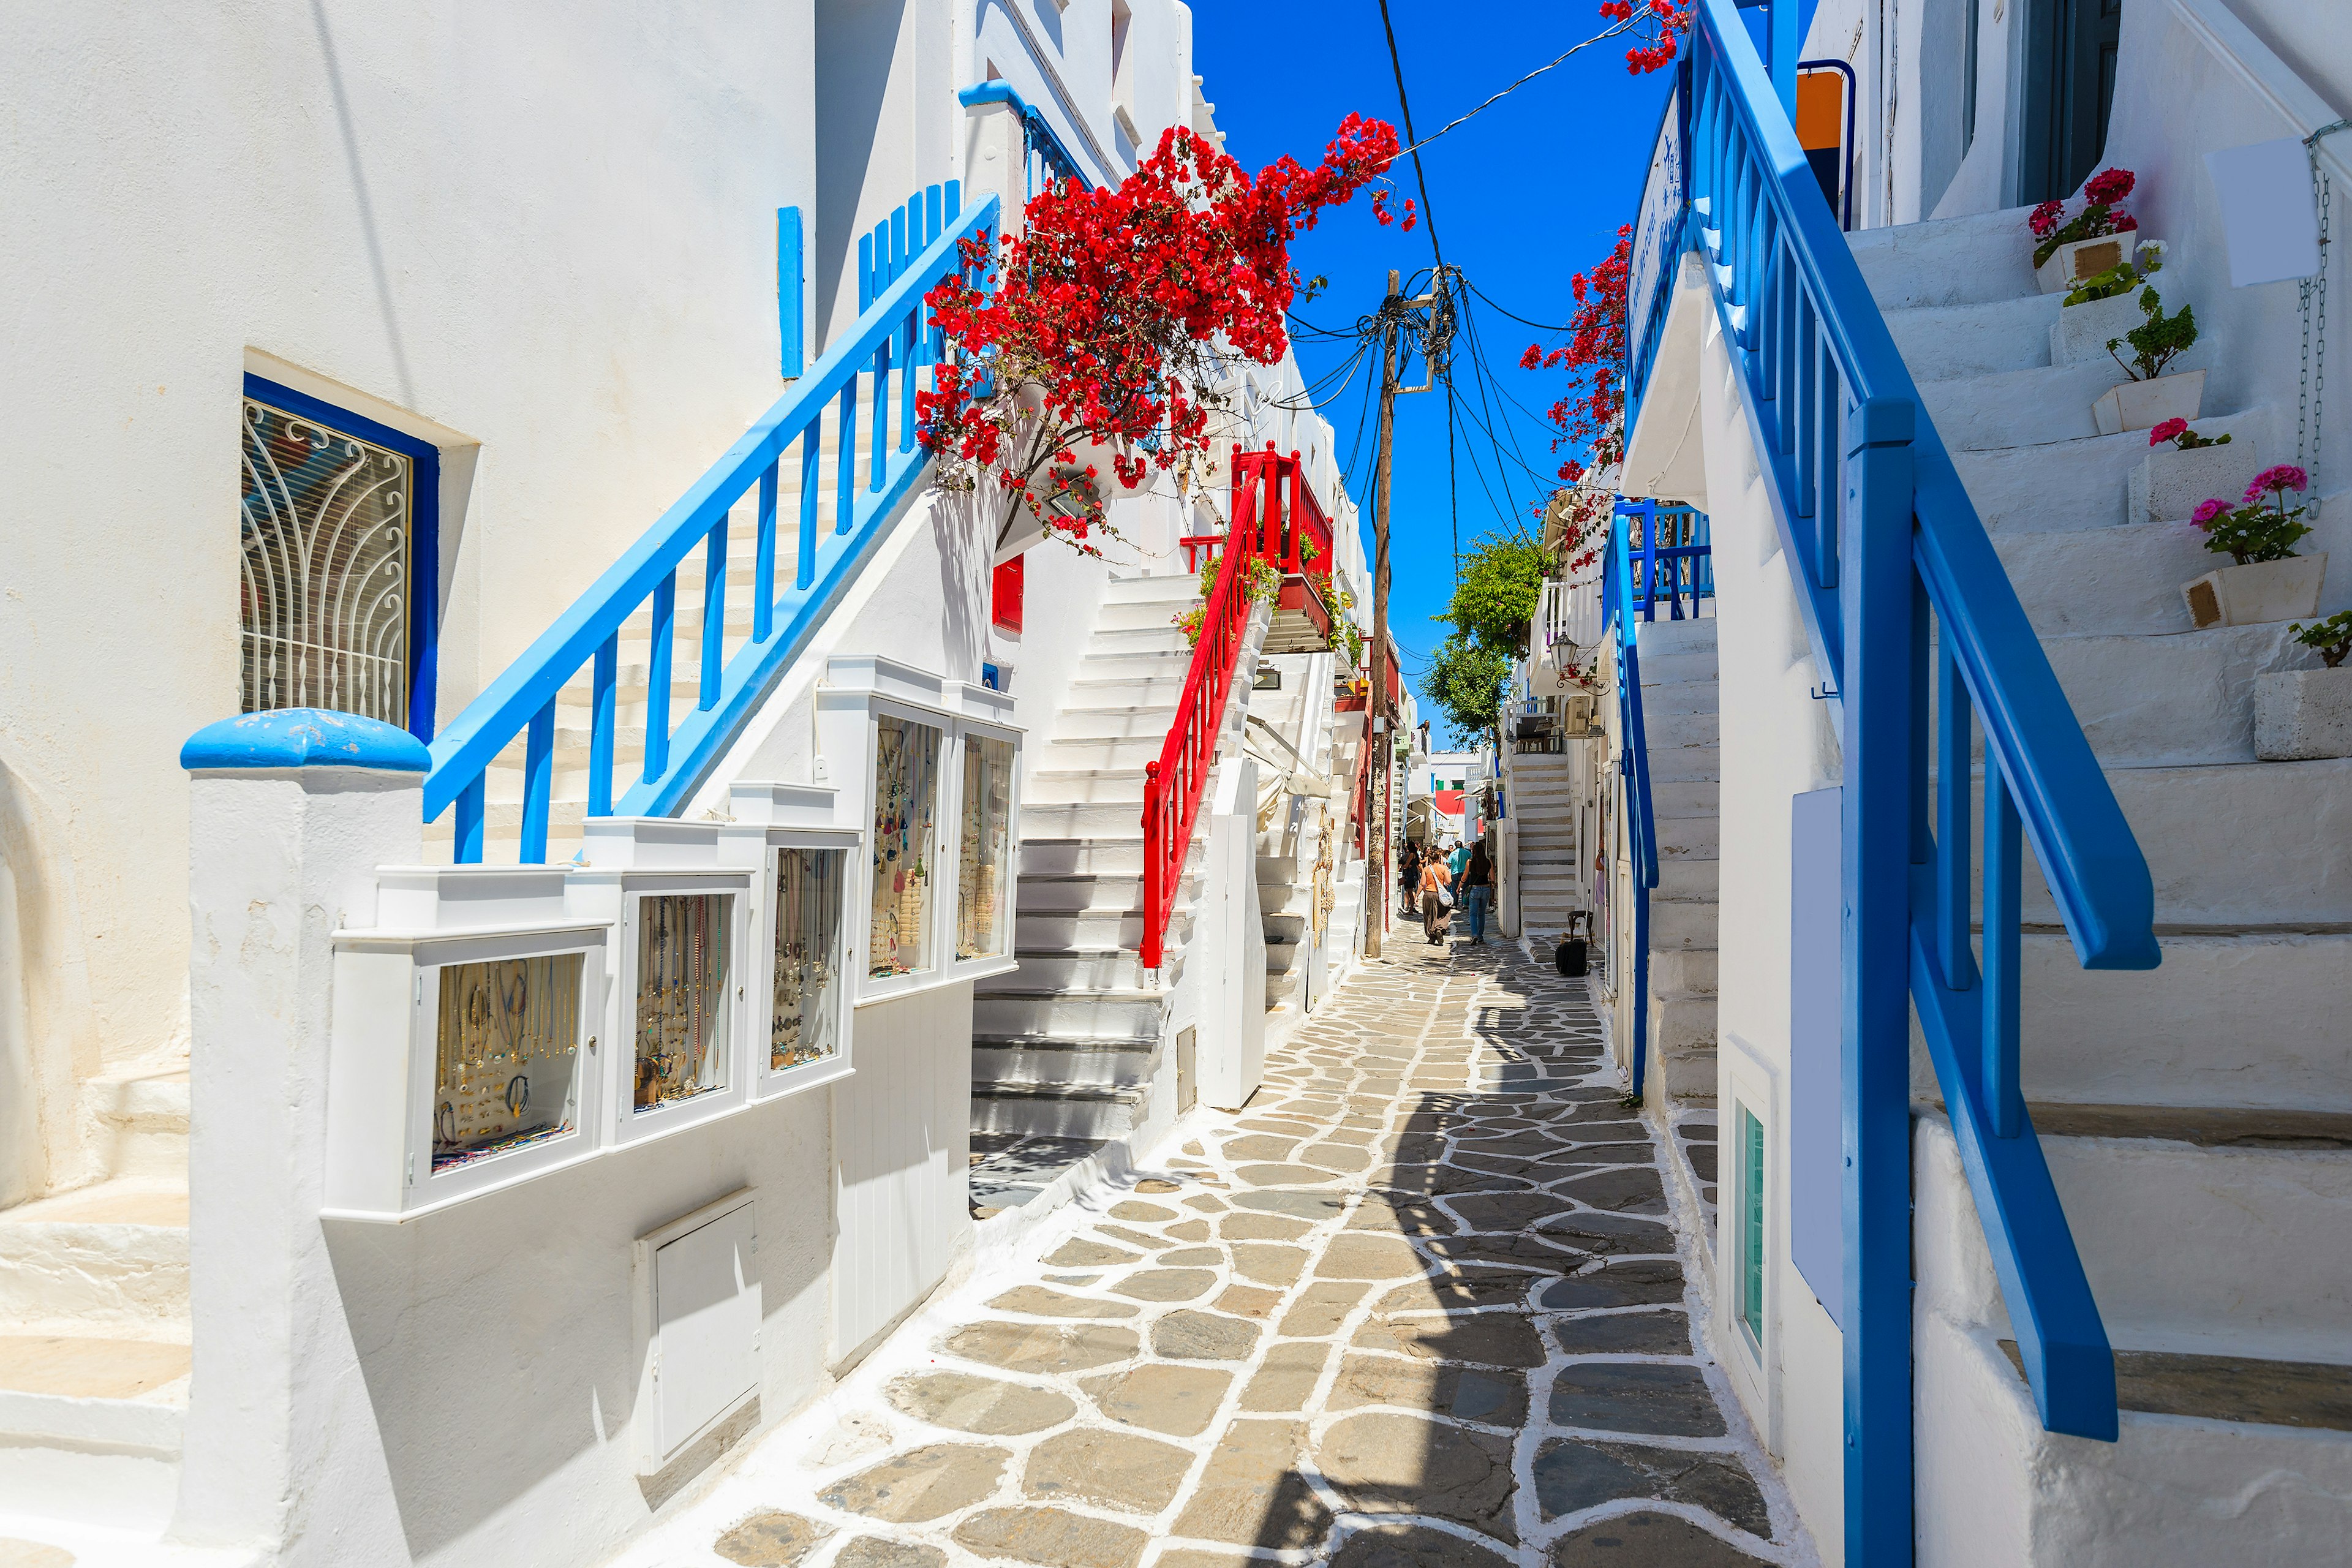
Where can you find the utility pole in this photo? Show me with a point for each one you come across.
(1376, 711)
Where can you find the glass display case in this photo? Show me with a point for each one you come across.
(905, 856)
(984, 870)
(683, 977)
(507, 1058)
(462, 1047)
(805, 1019)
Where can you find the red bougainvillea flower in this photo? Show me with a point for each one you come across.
(1656, 27)
(2109, 186)
(2207, 510)
(1117, 319)
(2280, 477)
(2166, 431)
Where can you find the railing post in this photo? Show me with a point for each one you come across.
(1875, 684)
(657, 664)
(1155, 836)
(714, 613)
(602, 702)
(763, 570)
(2003, 1092)
(538, 784)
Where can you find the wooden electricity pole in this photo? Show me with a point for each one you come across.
(1376, 731)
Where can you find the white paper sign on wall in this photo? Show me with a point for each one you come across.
(2268, 214)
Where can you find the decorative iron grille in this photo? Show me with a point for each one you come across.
(324, 595)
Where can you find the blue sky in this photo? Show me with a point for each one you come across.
(1523, 195)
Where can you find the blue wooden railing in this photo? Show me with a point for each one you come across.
(1044, 155)
(1670, 555)
(889, 344)
(1914, 623)
(1621, 611)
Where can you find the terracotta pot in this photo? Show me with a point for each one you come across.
(2071, 263)
(2266, 591)
(2144, 404)
(2302, 713)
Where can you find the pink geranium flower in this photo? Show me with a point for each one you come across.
(2166, 431)
(2207, 510)
(2278, 477)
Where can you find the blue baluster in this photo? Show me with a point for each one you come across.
(538, 784)
(804, 568)
(763, 570)
(845, 488)
(1954, 786)
(657, 663)
(714, 612)
(603, 703)
(2004, 870)
(467, 849)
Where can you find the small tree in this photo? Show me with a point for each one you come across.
(1501, 584)
(1118, 317)
(1465, 680)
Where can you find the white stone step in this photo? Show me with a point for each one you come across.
(1174, 589)
(1098, 692)
(1141, 664)
(137, 1122)
(2236, 845)
(2156, 701)
(1157, 614)
(1087, 788)
(1660, 668)
(1948, 262)
(1669, 731)
(111, 1257)
(2121, 580)
(1094, 1063)
(1676, 972)
(1685, 797)
(1125, 1013)
(2069, 485)
(1122, 755)
(1135, 722)
(91, 1429)
(1059, 1110)
(1095, 929)
(1681, 924)
(1673, 637)
(2187, 1033)
(1124, 642)
(1942, 343)
(1688, 837)
(1982, 412)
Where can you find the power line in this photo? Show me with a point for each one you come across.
(1613, 30)
(1396, 63)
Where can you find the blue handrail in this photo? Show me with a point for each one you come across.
(899, 261)
(1042, 147)
(1672, 558)
(1879, 534)
(1619, 604)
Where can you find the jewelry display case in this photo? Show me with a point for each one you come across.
(802, 932)
(680, 895)
(985, 874)
(938, 881)
(463, 1039)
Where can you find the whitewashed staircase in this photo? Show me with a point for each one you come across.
(2197, 1119)
(568, 802)
(1680, 719)
(94, 1340)
(1069, 1044)
(1543, 806)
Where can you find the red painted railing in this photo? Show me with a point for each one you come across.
(1275, 517)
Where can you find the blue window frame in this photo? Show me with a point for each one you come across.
(423, 562)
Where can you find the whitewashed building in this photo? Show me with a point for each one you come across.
(2021, 1124)
(526, 1042)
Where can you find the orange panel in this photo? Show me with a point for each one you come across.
(1820, 109)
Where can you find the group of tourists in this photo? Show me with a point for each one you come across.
(1441, 878)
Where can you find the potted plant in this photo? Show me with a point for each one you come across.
(2304, 713)
(2095, 240)
(2102, 306)
(2150, 397)
(2182, 467)
(2270, 580)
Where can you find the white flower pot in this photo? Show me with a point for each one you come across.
(2071, 263)
(2302, 713)
(2144, 404)
(2168, 482)
(2081, 333)
(2285, 590)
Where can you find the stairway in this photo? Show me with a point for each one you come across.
(1679, 719)
(1068, 1045)
(1300, 713)
(2197, 1119)
(568, 804)
(94, 1342)
(1551, 883)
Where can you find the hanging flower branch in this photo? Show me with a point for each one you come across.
(1657, 28)
(1117, 319)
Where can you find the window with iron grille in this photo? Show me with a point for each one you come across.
(335, 547)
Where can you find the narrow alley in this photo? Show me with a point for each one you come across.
(1422, 1302)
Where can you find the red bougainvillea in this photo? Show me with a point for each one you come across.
(1658, 27)
(1588, 420)
(1111, 325)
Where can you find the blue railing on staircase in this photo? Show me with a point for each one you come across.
(1883, 540)
(899, 260)
(1619, 618)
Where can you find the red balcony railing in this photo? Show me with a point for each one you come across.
(1277, 518)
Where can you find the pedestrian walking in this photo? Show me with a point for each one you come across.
(1436, 898)
(1477, 890)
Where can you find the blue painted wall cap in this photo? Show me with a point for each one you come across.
(304, 738)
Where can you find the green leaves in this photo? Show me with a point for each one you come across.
(1502, 583)
(1465, 680)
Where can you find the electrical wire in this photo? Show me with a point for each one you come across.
(1615, 29)
(1396, 63)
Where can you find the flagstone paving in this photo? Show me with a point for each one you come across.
(1419, 1305)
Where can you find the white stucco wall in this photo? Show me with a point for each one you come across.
(544, 234)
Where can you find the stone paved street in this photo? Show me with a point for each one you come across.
(1419, 1303)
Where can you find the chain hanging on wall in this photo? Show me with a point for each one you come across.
(2312, 384)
